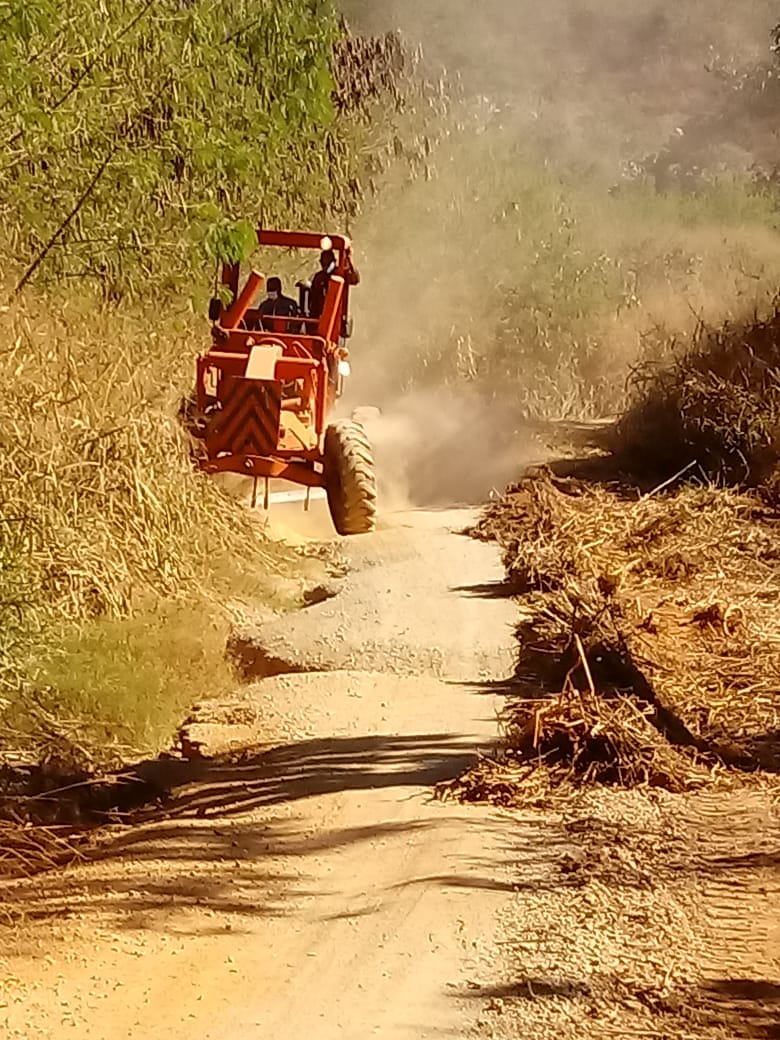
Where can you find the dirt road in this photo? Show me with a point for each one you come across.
(309, 887)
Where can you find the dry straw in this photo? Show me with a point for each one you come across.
(99, 503)
(650, 645)
(717, 406)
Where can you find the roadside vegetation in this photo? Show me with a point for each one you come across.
(612, 191)
(645, 564)
(142, 141)
(543, 287)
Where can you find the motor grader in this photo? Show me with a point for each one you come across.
(266, 386)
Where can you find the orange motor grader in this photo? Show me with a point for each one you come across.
(266, 386)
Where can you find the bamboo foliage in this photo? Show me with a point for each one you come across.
(130, 127)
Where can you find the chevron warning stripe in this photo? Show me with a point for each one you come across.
(248, 423)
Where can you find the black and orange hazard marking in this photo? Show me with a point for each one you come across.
(248, 423)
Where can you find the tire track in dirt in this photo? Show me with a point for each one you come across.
(651, 914)
(734, 840)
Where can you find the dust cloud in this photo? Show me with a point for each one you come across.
(589, 85)
(521, 51)
(436, 448)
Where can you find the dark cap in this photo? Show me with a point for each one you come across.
(274, 285)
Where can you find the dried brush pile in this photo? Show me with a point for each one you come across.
(577, 738)
(650, 639)
(26, 850)
(53, 812)
(716, 409)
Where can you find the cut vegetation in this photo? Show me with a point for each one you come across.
(138, 144)
(649, 646)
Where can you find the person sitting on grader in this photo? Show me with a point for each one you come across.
(321, 281)
(277, 305)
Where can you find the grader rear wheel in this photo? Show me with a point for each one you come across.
(350, 482)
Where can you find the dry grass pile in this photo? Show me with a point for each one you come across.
(716, 409)
(576, 738)
(26, 850)
(650, 635)
(53, 813)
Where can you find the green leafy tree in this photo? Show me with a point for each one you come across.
(134, 130)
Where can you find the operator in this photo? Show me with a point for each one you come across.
(277, 305)
(321, 281)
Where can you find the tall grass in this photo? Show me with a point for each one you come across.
(102, 514)
(714, 409)
(590, 212)
(119, 685)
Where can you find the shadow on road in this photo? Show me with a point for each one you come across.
(306, 769)
(225, 832)
(486, 590)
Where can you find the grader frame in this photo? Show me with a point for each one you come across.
(266, 386)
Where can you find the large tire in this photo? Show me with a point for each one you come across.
(350, 481)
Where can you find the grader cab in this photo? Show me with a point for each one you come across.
(266, 386)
